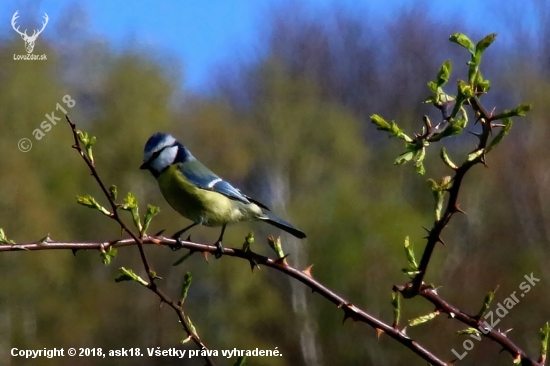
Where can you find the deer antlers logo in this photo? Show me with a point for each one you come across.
(29, 40)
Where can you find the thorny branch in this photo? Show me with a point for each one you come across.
(350, 310)
(434, 234)
(475, 322)
(137, 240)
(417, 285)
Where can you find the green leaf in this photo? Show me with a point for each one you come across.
(152, 211)
(423, 319)
(460, 100)
(107, 255)
(113, 192)
(82, 137)
(91, 141)
(438, 209)
(465, 90)
(438, 191)
(87, 201)
(485, 43)
(90, 202)
(403, 158)
(381, 123)
(410, 273)
(487, 302)
(4, 239)
(154, 276)
(431, 99)
(473, 71)
(409, 252)
(392, 128)
(275, 244)
(434, 185)
(482, 85)
(440, 98)
(475, 155)
(125, 275)
(187, 279)
(90, 153)
(190, 325)
(544, 335)
(507, 122)
(88, 142)
(418, 161)
(129, 275)
(241, 360)
(469, 331)
(248, 241)
(464, 41)
(443, 74)
(461, 120)
(521, 110)
(446, 159)
(446, 183)
(396, 303)
(131, 204)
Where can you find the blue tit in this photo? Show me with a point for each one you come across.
(198, 194)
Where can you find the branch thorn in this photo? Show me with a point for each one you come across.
(457, 208)
(307, 271)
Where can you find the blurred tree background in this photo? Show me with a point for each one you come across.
(291, 129)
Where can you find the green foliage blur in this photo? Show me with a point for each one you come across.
(291, 130)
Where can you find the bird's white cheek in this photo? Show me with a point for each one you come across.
(165, 159)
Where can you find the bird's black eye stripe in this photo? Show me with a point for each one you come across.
(157, 153)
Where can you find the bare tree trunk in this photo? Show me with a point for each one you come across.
(279, 188)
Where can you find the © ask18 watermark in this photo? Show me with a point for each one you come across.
(25, 144)
(495, 317)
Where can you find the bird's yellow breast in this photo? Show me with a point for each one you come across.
(200, 205)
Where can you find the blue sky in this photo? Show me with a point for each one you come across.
(202, 33)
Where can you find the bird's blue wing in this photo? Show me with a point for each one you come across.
(199, 175)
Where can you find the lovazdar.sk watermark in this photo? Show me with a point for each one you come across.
(29, 40)
(501, 311)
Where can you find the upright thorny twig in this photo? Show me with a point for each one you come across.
(130, 204)
(454, 121)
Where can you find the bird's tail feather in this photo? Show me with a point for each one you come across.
(283, 225)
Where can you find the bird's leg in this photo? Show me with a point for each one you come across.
(219, 251)
(177, 235)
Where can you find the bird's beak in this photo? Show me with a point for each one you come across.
(144, 166)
